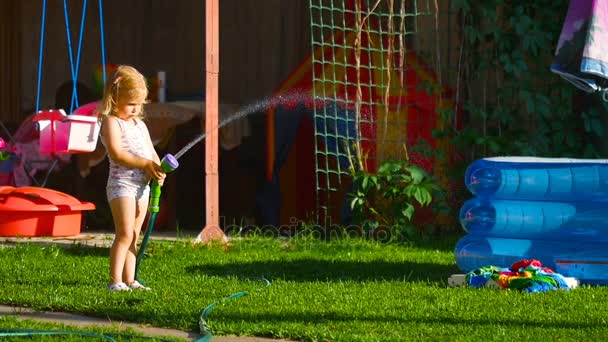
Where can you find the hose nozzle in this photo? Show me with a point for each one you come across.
(168, 164)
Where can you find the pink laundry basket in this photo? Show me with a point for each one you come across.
(61, 133)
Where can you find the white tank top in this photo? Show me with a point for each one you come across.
(134, 139)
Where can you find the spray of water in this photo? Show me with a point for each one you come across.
(247, 110)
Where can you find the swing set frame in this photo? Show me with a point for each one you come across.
(212, 231)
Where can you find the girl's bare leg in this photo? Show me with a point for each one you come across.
(123, 212)
(128, 273)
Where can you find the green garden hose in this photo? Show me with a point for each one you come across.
(168, 164)
(202, 322)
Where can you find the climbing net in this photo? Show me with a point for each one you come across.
(377, 90)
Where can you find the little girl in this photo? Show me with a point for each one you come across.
(133, 162)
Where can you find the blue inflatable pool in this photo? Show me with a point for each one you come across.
(553, 210)
(539, 179)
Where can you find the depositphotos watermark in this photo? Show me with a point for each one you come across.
(298, 230)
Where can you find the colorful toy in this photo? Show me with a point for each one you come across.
(3, 154)
(98, 78)
(525, 275)
(6, 164)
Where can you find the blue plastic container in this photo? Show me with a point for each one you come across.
(582, 221)
(539, 179)
(587, 261)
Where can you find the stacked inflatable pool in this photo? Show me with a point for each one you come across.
(553, 210)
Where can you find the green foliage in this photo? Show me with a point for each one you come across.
(513, 103)
(389, 197)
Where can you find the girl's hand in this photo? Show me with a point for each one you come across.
(154, 171)
(161, 180)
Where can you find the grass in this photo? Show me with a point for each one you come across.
(343, 290)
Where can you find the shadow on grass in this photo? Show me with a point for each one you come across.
(83, 250)
(319, 270)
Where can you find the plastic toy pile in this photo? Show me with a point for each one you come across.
(525, 275)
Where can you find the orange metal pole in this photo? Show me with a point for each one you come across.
(212, 230)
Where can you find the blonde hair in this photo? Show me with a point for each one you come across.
(126, 83)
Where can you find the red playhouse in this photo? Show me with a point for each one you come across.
(415, 98)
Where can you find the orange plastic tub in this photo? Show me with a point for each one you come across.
(34, 211)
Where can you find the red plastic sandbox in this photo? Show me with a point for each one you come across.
(34, 211)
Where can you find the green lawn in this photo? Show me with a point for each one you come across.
(344, 290)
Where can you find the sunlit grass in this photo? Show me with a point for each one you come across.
(342, 290)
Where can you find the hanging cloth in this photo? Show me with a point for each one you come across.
(581, 56)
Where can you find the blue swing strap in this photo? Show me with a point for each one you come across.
(74, 67)
(103, 45)
(41, 54)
